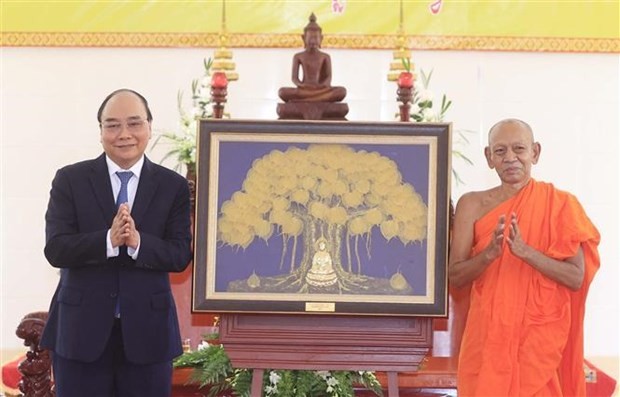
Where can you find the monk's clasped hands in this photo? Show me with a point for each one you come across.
(514, 241)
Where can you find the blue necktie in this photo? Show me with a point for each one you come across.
(122, 197)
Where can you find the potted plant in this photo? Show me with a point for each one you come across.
(212, 369)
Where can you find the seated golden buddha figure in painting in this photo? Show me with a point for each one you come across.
(313, 97)
(322, 273)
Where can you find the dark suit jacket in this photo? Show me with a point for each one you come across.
(79, 214)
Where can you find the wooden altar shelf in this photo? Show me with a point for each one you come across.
(436, 377)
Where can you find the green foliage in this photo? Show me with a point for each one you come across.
(458, 140)
(406, 64)
(241, 382)
(212, 368)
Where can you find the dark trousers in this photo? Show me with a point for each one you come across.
(111, 375)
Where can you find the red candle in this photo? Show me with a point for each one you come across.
(219, 80)
(405, 80)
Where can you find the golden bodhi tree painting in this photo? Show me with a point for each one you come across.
(321, 218)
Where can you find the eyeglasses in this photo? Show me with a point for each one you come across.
(132, 125)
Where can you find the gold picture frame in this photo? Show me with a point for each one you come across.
(322, 217)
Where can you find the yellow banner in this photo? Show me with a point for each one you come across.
(561, 25)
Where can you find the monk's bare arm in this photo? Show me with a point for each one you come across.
(569, 272)
(463, 269)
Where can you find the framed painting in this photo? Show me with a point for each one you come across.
(322, 217)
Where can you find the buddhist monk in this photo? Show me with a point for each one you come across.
(312, 71)
(528, 252)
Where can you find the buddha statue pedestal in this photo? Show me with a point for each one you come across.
(312, 111)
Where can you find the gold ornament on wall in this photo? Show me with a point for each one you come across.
(222, 60)
(401, 52)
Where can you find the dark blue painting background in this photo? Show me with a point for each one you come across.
(264, 257)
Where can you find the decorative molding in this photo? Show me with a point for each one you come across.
(211, 40)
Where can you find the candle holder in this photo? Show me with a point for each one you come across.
(219, 91)
(405, 94)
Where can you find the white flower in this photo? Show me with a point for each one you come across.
(202, 92)
(331, 381)
(415, 108)
(274, 378)
(203, 345)
(429, 115)
(271, 390)
(184, 141)
(424, 108)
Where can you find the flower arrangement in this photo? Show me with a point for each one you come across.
(422, 98)
(422, 110)
(422, 104)
(184, 141)
(212, 368)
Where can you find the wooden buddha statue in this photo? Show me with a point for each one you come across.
(313, 98)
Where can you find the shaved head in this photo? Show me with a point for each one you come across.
(512, 151)
(501, 123)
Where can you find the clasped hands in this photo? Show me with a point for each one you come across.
(123, 230)
(514, 241)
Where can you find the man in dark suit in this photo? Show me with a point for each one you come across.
(112, 324)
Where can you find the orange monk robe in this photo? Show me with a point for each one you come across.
(524, 332)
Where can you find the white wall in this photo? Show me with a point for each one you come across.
(50, 97)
